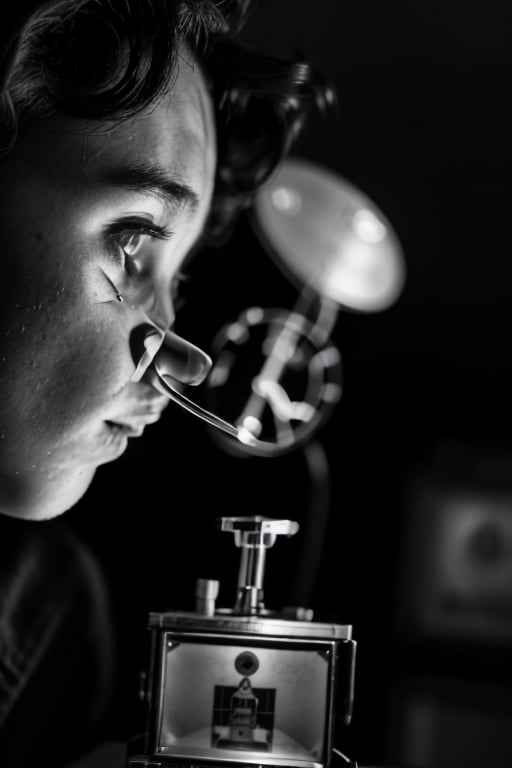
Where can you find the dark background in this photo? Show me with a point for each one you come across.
(416, 552)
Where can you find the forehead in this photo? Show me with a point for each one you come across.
(178, 133)
(175, 135)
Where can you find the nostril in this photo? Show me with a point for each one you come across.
(137, 338)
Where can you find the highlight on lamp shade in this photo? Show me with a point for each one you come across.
(329, 235)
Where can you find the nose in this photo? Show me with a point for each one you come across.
(172, 356)
(181, 361)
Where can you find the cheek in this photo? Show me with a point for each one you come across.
(89, 360)
(63, 358)
(83, 363)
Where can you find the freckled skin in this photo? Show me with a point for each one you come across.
(65, 360)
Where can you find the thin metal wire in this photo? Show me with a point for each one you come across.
(347, 760)
(157, 380)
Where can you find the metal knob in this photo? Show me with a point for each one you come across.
(206, 593)
(254, 535)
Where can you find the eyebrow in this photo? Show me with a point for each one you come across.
(153, 180)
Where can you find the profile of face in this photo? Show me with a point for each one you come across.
(95, 224)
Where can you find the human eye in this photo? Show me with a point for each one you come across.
(130, 241)
(132, 245)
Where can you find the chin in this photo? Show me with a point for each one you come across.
(37, 499)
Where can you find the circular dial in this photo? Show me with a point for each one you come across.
(274, 375)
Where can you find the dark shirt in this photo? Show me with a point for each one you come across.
(56, 644)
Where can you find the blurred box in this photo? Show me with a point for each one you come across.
(450, 723)
(456, 576)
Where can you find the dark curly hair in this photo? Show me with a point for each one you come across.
(110, 59)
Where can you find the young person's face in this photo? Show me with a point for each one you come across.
(86, 214)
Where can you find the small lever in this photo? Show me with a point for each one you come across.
(254, 535)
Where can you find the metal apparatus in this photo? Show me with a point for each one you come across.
(246, 685)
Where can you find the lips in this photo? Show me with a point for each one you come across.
(133, 424)
(129, 430)
(138, 407)
(113, 437)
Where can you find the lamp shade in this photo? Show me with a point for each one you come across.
(325, 233)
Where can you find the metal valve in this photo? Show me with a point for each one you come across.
(254, 535)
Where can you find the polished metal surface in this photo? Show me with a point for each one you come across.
(226, 622)
(254, 535)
